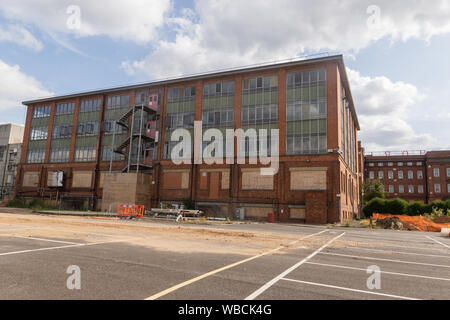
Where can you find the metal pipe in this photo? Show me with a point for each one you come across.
(112, 146)
(140, 139)
(131, 139)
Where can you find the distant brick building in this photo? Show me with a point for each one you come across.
(11, 137)
(309, 101)
(413, 176)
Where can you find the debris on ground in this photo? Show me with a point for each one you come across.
(390, 223)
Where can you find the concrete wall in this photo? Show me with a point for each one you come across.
(125, 188)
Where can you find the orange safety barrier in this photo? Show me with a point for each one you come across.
(420, 222)
(130, 210)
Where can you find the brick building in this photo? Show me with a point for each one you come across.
(309, 101)
(11, 136)
(413, 176)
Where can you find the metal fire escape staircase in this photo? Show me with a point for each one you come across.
(137, 135)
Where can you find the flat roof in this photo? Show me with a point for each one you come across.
(214, 74)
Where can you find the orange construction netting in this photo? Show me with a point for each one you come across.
(420, 222)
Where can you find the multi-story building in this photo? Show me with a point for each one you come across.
(11, 137)
(308, 101)
(411, 175)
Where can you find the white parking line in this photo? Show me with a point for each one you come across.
(398, 252)
(438, 242)
(63, 247)
(380, 259)
(205, 275)
(49, 240)
(286, 272)
(349, 289)
(387, 272)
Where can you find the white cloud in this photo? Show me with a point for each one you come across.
(136, 20)
(21, 36)
(223, 33)
(16, 86)
(384, 108)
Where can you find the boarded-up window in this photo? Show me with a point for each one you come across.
(225, 180)
(308, 179)
(185, 180)
(176, 179)
(297, 213)
(31, 179)
(82, 179)
(203, 180)
(258, 212)
(253, 180)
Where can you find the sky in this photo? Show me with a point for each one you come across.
(396, 52)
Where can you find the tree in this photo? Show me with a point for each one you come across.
(373, 189)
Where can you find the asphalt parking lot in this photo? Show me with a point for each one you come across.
(289, 262)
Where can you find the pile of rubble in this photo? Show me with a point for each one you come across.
(395, 223)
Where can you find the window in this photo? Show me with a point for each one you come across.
(419, 163)
(390, 164)
(411, 189)
(59, 155)
(410, 174)
(106, 154)
(420, 189)
(36, 156)
(380, 164)
(42, 112)
(87, 128)
(90, 105)
(419, 174)
(437, 188)
(371, 175)
(436, 172)
(180, 114)
(108, 127)
(401, 189)
(371, 164)
(306, 113)
(391, 189)
(85, 154)
(448, 188)
(410, 164)
(65, 108)
(220, 117)
(391, 174)
(400, 174)
(39, 133)
(400, 164)
(118, 102)
(62, 131)
(380, 174)
(448, 172)
(218, 89)
(180, 94)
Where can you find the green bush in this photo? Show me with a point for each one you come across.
(396, 206)
(16, 203)
(376, 205)
(417, 208)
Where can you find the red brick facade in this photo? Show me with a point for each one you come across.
(220, 189)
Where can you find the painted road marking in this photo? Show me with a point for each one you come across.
(63, 247)
(349, 289)
(286, 272)
(49, 240)
(397, 252)
(205, 275)
(445, 245)
(387, 272)
(380, 259)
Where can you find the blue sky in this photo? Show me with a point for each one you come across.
(399, 70)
